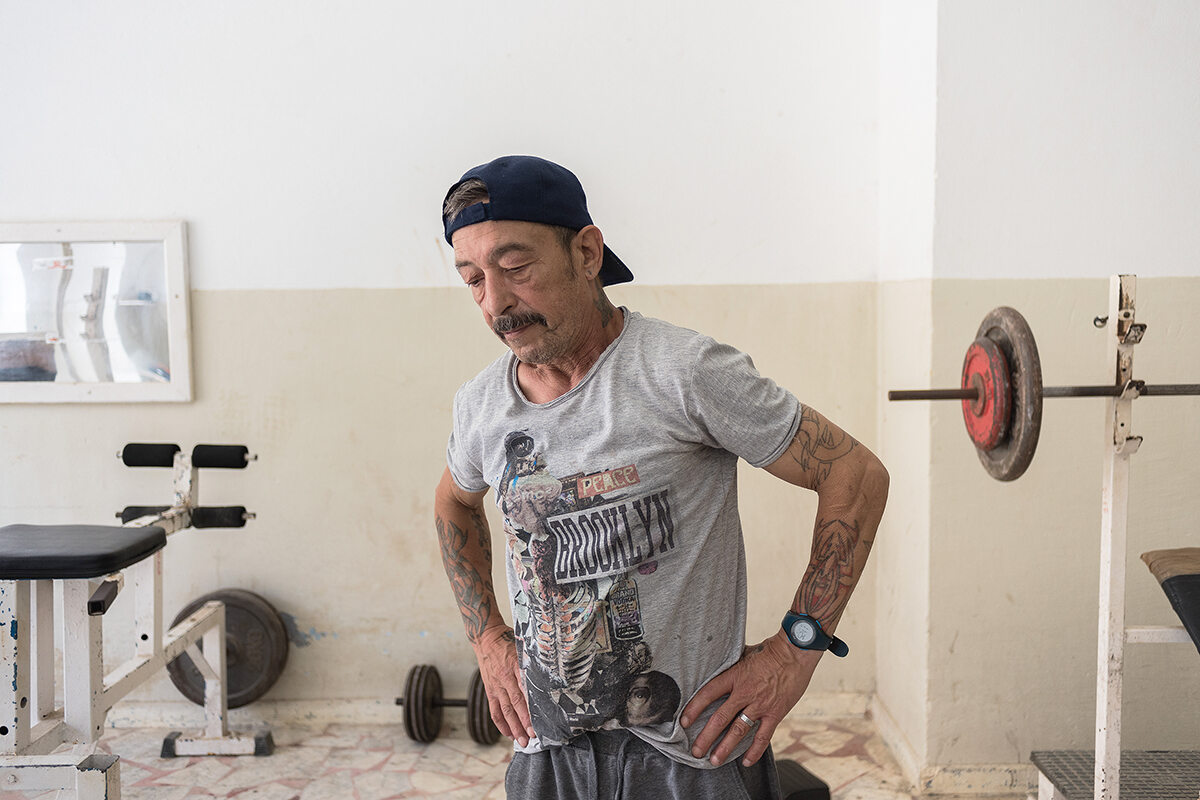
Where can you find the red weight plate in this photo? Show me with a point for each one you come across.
(987, 417)
(1009, 459)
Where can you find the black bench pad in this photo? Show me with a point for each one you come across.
(30, 552)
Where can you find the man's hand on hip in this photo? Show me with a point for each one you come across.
(765, 684)
(496, 652)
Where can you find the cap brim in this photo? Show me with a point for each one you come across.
(613, 270)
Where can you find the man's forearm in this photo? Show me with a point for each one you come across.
(851, 486)
(838, 555)
(466, 546)
(467, 556)
(842, 538)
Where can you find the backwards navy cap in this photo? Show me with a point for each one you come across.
(531, 189)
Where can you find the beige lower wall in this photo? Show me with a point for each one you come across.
(902, 549)
(345, 396)
(975, 620)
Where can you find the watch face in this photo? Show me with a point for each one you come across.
(804, 631)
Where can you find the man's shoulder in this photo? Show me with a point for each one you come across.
(661, 334)
(493, 376)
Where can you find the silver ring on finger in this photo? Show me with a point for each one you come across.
(750, 722)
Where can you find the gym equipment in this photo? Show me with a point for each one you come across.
(423, 704)
(88, 565)
(256, 648)
(797, 783)
(1006, 455)
(1178, 573)
(1002, 390)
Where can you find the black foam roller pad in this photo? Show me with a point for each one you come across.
(224, 456)
(1184, 593)
(130, 513)
(149, 455)
(219, 517)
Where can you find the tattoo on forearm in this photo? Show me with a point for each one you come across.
(830, 576)
(819, 447)
(482, 531)
(472, 591)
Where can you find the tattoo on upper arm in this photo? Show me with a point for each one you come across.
(830, 576)
(819, 445)
(472, 590)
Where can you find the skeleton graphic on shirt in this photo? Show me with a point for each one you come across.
(578, 674)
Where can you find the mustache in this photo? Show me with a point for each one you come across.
(510, 322)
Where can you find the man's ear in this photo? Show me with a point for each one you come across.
(590, 242)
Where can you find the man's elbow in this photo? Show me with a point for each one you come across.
(875, 482)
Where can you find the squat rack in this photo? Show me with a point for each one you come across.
(1001, 395)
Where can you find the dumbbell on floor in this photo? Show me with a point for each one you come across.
(423, 704)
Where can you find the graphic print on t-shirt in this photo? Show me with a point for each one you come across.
(576, 543)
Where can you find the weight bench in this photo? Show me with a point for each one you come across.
(1154, 774)
(1178, 573)
(88, 565)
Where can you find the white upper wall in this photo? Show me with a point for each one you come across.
(308, 145)
(907, 133)
(1068, 138)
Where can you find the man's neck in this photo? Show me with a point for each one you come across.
(542, 383)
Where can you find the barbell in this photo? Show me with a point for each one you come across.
(423, 703)
(1002, 391)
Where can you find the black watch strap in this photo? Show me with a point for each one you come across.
(822, 640)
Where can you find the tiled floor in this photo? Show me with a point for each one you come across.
(378, 762)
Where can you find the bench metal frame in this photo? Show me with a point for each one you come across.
(32, 727)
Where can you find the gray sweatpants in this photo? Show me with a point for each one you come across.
(616, 765)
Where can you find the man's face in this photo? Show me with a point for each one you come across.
(528, 287)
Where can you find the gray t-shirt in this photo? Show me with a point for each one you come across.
(625, 561)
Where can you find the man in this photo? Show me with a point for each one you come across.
(611, 441)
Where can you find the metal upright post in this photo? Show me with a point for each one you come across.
(42, 614)
(216, 687)
(84, 706)
(1119, 446)
(14, 666)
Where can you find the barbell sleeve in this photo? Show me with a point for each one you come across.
(1083, 391)
(1171, 389)
(933, 394)
(1148, 390)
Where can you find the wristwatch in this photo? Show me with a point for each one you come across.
(805, 632)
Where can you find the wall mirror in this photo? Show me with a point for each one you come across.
(94, 312)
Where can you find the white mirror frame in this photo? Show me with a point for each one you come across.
(173, 236)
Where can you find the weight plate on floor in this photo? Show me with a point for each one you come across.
(256, 648)
(985, 368)
(479, 715)
(1010, 457)
(423, 703)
